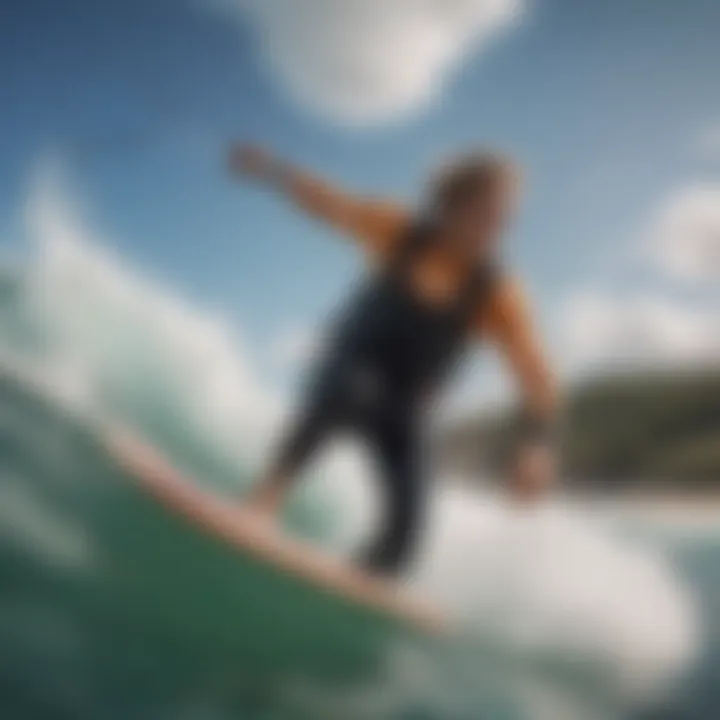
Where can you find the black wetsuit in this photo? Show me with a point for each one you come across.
(388, 353)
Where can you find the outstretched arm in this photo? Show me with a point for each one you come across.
(376, 225)
(508, 322)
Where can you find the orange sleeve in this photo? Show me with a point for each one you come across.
(508, 322)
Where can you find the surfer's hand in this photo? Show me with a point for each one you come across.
(533, 473)
(251, 161)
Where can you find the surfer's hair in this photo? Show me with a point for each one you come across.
(471, 175)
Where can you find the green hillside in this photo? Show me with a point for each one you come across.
(651, 429)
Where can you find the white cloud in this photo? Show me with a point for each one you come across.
(599, 330)
(684, 236)
(364, 61)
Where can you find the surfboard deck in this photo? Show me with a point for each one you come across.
(261, 539)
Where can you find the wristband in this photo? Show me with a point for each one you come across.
(535, 429)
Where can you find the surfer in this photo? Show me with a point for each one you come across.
(434, 282)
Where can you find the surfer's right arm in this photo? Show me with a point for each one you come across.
(376, 225)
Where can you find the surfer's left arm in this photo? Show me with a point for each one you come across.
(507, 320)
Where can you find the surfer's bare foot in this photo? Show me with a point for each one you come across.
(266, 500)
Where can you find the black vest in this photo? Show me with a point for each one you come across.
(411, 343)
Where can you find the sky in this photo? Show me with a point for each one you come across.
(611, 107)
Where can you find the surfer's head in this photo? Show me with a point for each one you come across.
(473, 197)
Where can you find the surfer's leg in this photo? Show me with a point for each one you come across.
(399, 460)
(297, 447)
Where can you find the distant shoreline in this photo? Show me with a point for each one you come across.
(696, 508)
(651, 435)
(696, 505)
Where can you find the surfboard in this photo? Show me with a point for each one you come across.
(262, 540)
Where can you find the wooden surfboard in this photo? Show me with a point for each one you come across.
(254, 536)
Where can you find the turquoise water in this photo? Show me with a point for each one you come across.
(112, 608)
(110, 602)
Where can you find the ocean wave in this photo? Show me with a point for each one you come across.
(116, 609)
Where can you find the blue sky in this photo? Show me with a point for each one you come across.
(611, 106)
